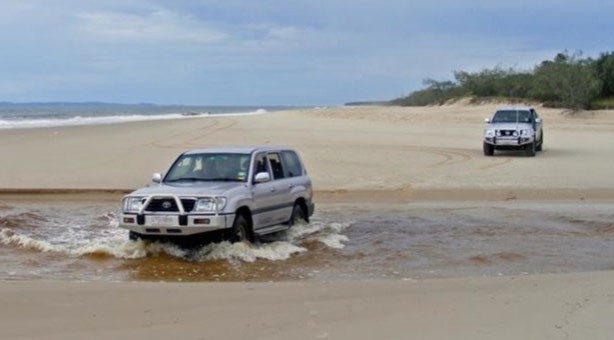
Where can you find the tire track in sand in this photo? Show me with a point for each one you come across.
(220, 124)
(496, 164)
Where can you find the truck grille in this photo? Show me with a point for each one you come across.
(507, 132)
(162, 204)
(168, 204)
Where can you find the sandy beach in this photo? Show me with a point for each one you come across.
(577, 306)
(406, 162)
(384, 148)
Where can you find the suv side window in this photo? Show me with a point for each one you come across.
(292, 164)
(276, 166)
(261, 164)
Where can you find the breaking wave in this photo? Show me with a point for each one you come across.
(112, 119)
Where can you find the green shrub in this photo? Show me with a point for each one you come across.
(566, 81)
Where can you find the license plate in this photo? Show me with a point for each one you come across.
(162, 221)
(507, 141)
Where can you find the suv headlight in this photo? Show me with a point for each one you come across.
(133, 204)
(526, 132)
(210, 204)
(489, 133)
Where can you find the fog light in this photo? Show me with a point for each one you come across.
(202, 221)
(129, 220)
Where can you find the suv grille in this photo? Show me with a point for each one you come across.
(168, 204)
(162, 204)
(507, 132)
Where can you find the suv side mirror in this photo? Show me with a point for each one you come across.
(487, 120)
(262, 177)
(156, 178)
(538, 120)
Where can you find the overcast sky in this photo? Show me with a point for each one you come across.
(311, 52)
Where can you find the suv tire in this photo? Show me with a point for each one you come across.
(240, 231)
(133, 236)
(530, 150)
(541, 143)
(298, 214)
(489, 149)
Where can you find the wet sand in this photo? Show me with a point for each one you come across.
(570, 306)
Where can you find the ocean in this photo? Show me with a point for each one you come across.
(31, 115)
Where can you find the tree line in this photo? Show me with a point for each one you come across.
(568, 80)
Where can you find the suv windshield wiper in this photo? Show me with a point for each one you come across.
(224, 179)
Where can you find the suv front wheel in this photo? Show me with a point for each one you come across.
(489, 149)
(240, 231)
(541, 142)
(530, 150)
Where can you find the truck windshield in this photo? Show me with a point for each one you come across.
(212, 167)
(512, 116)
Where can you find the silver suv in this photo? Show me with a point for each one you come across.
(239, 192)
(514, 128)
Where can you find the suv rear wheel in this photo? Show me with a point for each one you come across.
(298, 215)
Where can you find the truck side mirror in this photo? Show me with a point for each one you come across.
(156, 177)
(262, 177)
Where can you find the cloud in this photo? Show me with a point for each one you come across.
(287, 52)
(159, 26)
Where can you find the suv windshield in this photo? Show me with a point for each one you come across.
(512, 116)
(227, 167)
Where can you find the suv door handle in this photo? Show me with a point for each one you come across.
(290, 186)
(273, 189)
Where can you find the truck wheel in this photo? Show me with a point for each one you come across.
(530, 150)
(298, 215)
(489, 149)
(240, 231)
(132, 236)
(541, 143)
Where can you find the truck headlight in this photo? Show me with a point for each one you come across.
(209, 204)
(527, 132)
(133, 204)
(489, 133)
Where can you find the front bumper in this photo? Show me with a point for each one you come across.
(174, 224)
(509, 142)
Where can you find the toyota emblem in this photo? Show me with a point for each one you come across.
(166, 205)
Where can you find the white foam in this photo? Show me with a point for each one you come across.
(115, 119)
(113, 242)
(274, 251)
(334, 240)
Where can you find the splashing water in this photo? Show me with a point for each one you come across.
(100, 236)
